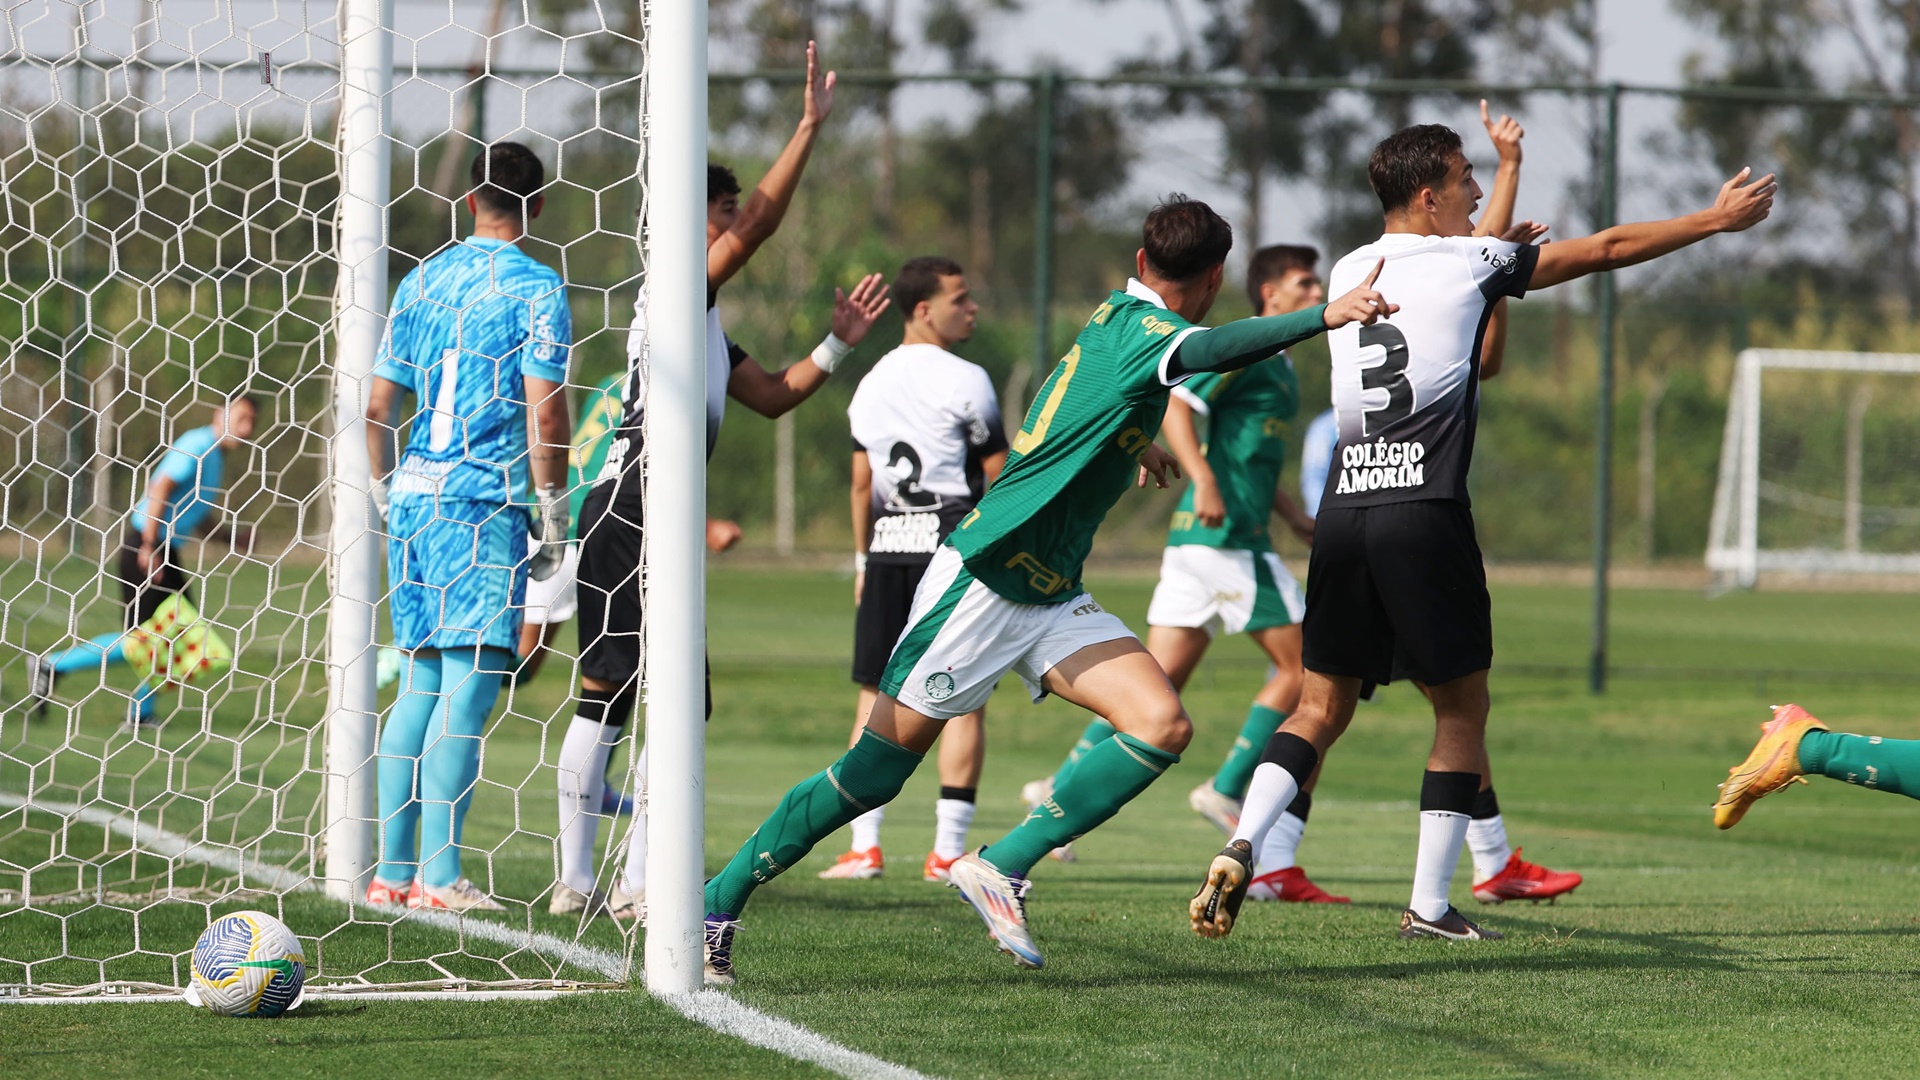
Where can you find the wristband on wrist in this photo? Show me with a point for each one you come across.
(830, 352)
(859, 562)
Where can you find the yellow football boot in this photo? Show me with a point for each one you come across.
(1773, 764)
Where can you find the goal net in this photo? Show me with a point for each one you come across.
(179, 186)
(1816, 466)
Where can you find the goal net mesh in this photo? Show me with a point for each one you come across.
(169, 198)
(1816, 474)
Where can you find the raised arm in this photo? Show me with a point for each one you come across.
(1740, 206)
(1506, 133)
(767, 205)
(776, 393)
(1249, 341)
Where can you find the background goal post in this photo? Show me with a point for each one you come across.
(1815, 466)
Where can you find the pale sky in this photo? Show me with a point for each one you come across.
(1643, 41)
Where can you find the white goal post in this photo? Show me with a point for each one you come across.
(1797, 490)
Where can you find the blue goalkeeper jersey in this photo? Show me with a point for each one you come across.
(467, 326)
(197, 466)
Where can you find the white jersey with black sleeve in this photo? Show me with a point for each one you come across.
(722, 357)
(925, 419)
(1406, 390)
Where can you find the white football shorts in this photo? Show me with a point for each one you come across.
(557, 598)
(1224, 591)
(961, 637)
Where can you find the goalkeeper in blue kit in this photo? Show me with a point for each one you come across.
(479, 334)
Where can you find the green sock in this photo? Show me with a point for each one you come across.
(1097, 732)
(868, 775)
(1235, 773)
(1100, 783)
(1867, 760)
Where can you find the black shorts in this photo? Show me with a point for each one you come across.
(609, 581)
(1397, 592)
(139, 596)
(611, 615)
(885, 602)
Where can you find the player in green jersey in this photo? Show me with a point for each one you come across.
(1004, 594)
(1219, 572)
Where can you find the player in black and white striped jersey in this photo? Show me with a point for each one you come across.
(927, 440)
(1396, 587)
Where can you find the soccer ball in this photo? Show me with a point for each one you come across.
(247, 964)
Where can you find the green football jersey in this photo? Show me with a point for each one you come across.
(1248, 414)
(1076, 454)
(599, 416)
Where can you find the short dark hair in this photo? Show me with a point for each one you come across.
(239, 398)
(721, 182)
(1410, 159)
(1271, 263)
(1184, 238)
(919, 280)
(505, 176)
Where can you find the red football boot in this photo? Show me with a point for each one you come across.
(1522, 880)
(1290, 885)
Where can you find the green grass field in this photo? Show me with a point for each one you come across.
(1789, 945)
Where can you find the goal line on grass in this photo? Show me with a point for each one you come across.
(709, 1008)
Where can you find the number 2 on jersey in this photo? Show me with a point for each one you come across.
(1031, 436)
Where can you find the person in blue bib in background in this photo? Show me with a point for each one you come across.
(180, 498)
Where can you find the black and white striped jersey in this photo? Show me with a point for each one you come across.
(1406, 390)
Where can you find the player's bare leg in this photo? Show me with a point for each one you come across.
(1499, 873)
(1120, 681)
(1289, 762)
(963, 751)
(1279, 877)
(1447, 796)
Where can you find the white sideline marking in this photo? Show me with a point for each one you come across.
(728, 1016)
(709, 1008)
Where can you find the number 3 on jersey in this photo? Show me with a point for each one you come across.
(1036, 429)
(1390, 374)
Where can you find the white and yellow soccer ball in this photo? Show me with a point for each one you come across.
(247, 964)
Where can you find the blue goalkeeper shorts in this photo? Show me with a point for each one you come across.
(457, 569)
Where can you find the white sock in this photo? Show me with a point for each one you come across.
(952, 818)
(1281, 843)
(1441, 834)
(636, 872)
(1487, 839)
(1270, 792)
(866, 829)
(582, 781)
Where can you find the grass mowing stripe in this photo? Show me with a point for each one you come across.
(706, 1007)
